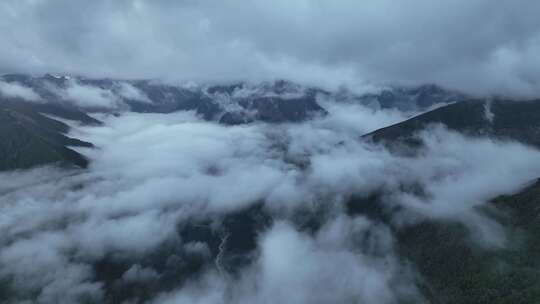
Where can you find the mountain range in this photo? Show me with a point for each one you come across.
(32, 133)
(233, 104)
(33, 127)
(502, 119)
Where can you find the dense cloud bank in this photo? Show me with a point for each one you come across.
(153, 173)
(475, 46)
(14, 90)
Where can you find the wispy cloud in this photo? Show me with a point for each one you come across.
(15, 90)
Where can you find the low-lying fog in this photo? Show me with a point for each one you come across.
(152, 172)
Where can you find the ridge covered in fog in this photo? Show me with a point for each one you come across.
(176, 206)
(277, 101)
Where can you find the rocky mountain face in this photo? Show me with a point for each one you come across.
(501, 119)
(28, 139)
(26, 129)
(74, 98)
(409, 99)
(274, 102)
(229, 104)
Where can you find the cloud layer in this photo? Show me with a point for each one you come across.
(153, 173)
(14, 90)
(476, 46)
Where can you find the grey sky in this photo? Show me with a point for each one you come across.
(474, 45)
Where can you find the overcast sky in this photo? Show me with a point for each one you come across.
(479, 46)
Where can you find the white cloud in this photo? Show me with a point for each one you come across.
(86, 96)
(15, 90)
(152, 172)
(128, 91)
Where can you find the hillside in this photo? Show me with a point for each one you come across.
(501, 119)
(28, 139)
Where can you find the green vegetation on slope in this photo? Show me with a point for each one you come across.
(456, 270)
